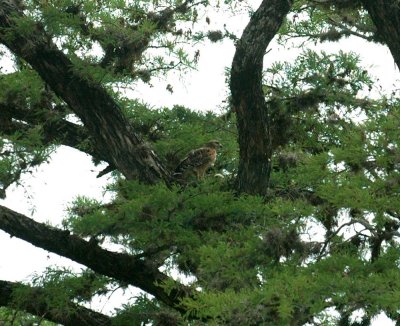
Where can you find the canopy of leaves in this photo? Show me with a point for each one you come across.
(322, 238)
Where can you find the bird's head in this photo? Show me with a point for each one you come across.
(214, 144)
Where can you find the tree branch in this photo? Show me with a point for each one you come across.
(123, 267)
(128, 52)
(56, 130)
(37, 304)
(248, 97)
(346, 31)
(101, 115)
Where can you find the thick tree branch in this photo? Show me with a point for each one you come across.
(37, 304)
(248, 97)
(55, 131)
(72, 135)
(386, 16)
(101, 115)
(123, 267)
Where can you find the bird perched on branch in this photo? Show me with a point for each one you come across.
(198, 161)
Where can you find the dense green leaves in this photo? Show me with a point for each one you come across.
(319, 246)
(327, 21)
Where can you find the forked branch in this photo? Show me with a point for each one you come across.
(248, 99)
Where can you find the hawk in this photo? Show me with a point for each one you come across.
(198, 161)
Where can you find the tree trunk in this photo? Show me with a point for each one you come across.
(248, 100)
(386, 16)
(112, 134)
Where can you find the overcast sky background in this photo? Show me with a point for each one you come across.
(46, 194)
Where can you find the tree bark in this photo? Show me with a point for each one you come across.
(74, 315)
(55, 130)
(386, 16)
(112, 134)
(123, 267)
(248, 100)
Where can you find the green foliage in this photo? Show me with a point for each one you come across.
(24, 103)
(145, 311)
(324, 238)
(59, 290)
(60, 285)
(9, 317)
(327, 21)
(255, 258)
(174, 132)
(124, 30)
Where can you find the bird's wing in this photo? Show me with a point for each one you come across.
(196, 158)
